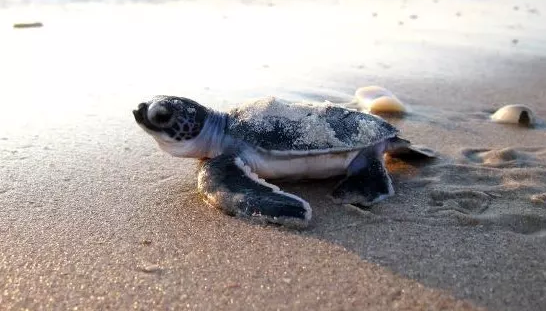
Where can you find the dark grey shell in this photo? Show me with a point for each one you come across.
(274, 124)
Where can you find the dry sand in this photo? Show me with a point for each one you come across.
(94, 216)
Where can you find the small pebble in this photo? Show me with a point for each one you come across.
(150, 268)
(539, 198)
(28, 25)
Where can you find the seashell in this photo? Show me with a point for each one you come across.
(376, 99)
(516, 114)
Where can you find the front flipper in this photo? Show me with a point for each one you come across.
(367, 180)
(227, 183)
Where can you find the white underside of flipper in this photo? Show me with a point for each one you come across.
(248, 172)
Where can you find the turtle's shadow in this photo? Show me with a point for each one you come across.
(327, 216)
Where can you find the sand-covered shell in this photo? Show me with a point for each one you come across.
(283, 127)
(376, 99)
(515, 114)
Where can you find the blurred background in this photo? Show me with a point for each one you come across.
(223, 51)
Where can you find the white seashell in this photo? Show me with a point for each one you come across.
(516, 114)
(376, 99)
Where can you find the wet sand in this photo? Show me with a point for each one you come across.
(94, 216)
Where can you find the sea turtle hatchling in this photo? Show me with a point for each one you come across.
(275, 139)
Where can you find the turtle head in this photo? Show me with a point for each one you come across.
(173, 122)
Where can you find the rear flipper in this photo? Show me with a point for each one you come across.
(367, 180)
(403, 149)
(227, 183)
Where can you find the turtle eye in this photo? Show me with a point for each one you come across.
(160, 114)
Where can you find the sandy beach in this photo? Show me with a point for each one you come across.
(94, 216)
